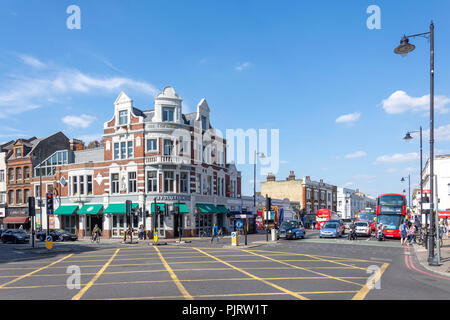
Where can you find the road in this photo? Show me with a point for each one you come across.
(297, 269)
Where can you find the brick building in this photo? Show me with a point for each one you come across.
(153, 156)
(312, 195)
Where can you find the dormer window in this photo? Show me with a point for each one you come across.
(123, 117)
(167, 114)
(204, 123)
(18, 152)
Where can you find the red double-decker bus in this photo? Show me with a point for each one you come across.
(391, 212)
(368, 215)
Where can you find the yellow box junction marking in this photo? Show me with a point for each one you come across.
(33, 272)
(367, 287)
(174, 277)
(99, 273)
(298, 296)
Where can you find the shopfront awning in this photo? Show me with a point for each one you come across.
(183, 207)
(222, 209)
(207, 208)
(118, 208)
(66, 210)
(17, 220)
(91, 209)
(160, 205)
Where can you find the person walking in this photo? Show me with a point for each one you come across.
(214, 233)
(411, 233)
(141, 232)
(403, 233)
(446, 226)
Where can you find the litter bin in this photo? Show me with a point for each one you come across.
(234, 239)
(274, 234)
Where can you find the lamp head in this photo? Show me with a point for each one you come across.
(405, 47)
(408, 136)
(403, 180)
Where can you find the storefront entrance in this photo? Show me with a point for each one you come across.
(69, 223)
(120, 224)
(203, 222)
(91, 221)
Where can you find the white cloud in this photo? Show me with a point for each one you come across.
(82, 121)
(90, 137)
(348, 184)
(400, 102)
(364, 176)
(398, 157)
(346, 118)
(357, 154)
(441, 133)
(243, 66)
(20, 94)
(31, 61)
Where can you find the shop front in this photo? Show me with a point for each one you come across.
(120, 221)
(93, 215)
(68, 219)
(204, 218)
(16, 217)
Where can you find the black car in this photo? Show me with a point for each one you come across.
(15, 236)
(57, 235)
(291, 229)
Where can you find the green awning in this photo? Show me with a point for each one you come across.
(118, 208)
(207, 208)
(222, 209)
(91, 209)
(66, 210)
(183, 207)
(160, 205)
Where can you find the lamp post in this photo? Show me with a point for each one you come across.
(403, 49)
(409, 189)
(407, 138)
(261, 156)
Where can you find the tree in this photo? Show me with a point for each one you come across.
(93, 144)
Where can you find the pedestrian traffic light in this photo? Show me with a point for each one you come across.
(31, 206)
(128, 207)
(49, 199)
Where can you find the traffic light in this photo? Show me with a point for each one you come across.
(49, 200)
(31, 206)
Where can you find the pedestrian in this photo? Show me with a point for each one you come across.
(141, 232)
(214, 233)
(314, 224)
(403, 233)
(411, 233)
(446, 226)
(441, 229)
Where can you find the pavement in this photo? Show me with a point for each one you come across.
(444, 267)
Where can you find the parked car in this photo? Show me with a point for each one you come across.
(330, 230)
(291, 229)
(57, 235)
(341, 224)
(15, 236)
(363, 228)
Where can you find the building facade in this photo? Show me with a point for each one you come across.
(153, 157)
(442, 188)
(311, 195)
(349, 201)
(4, 149)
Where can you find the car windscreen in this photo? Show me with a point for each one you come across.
(19, 231)
(330, 225)
(288, 225)
(361, 224)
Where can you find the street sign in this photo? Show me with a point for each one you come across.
(239, 224)
(234, 239)
(49, 242)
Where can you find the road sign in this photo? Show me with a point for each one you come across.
(239, 224)
(49, 242)
(234, 239)
(155, 236)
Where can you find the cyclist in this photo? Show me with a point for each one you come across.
(96, 233)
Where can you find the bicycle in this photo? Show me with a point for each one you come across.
(95, 237)
(204, 234)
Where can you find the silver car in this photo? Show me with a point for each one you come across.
(363, 228)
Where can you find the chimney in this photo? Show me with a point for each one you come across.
(270, 177)
(291, 176)
(321, 180)
(76, 145)
(307, 178)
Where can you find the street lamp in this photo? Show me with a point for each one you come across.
(261, 156)
(403, 49)
(409, 189)
(407, 138)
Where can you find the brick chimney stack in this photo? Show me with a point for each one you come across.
(270, 177)
(291, 176)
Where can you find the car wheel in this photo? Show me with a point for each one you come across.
(4, 240)
(294, 236)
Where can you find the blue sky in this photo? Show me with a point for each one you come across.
(296, 66)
